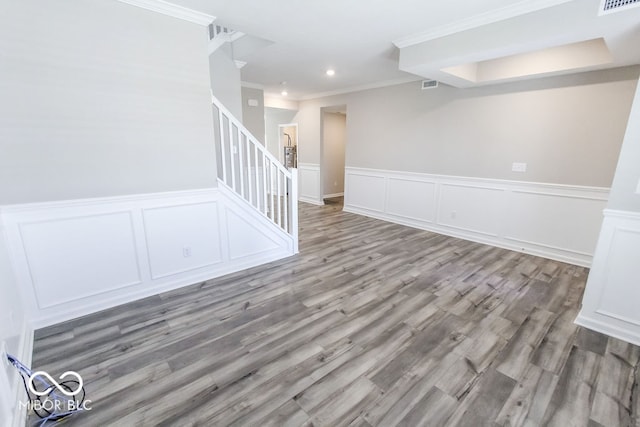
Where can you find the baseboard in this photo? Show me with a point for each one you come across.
(576, 259)
(608, 329)
(330, 196)
(311, 201)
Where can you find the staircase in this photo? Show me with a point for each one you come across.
(219, 35)
(246, 168)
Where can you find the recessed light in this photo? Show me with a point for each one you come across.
(284, 93)
(331, 72)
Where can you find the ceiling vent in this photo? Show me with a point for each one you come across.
(429, 84)
(610, 6)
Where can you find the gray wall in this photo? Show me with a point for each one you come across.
(627, 179)
(253, 117)
(334, 138)
(101, 99)
(567, 129)
(225, 79)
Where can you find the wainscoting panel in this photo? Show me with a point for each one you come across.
(555, 221)
(182, 238)
(309, 183)
(471, 208)
(366, 191)
(73, 258)
(245, 239)
(610, 303)
(411, 198)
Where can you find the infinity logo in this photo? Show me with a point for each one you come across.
(63, 389)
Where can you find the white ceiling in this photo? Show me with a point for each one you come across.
(299, 40)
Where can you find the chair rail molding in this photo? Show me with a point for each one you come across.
(555, 221)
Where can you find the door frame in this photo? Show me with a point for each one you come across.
(281, 142)
(323, 111)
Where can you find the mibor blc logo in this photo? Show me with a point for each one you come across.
(55, 400)
(49, 399)
(54, 384)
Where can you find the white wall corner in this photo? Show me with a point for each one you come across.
(609, 304)
(14, 391)
(309, 183)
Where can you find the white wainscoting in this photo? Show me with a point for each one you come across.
(309, 183)
(76, 257)
(555, 221)
(610, 302)
(11, 386)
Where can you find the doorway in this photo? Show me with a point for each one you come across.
(288, 137)
(332, 154)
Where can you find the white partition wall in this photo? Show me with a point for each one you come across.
(76, 257)
(610, 303)
(612, 295)
(309, 183)
(555, 221)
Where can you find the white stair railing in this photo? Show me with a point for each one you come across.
(247, 168)
(219, 30)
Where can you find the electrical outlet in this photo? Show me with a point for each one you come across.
(186, 251)
(519, 167)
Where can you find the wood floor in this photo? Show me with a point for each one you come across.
(373, 324)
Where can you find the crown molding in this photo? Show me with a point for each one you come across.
(359, 88)
(251, 85)
(520, 8)
(171, 9)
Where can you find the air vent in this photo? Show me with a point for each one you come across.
(429, 84)
(609, 6)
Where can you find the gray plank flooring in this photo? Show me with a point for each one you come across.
(372, 324)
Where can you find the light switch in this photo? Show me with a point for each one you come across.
(519, 167)
(253, 102)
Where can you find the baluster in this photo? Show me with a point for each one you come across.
(273, 210)
(264, 183)
(285, 202)
(248, 150)
(278, 198)
(257, 177)
(240, 160)
(293, 199)
(222, 147)
(232, 155)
